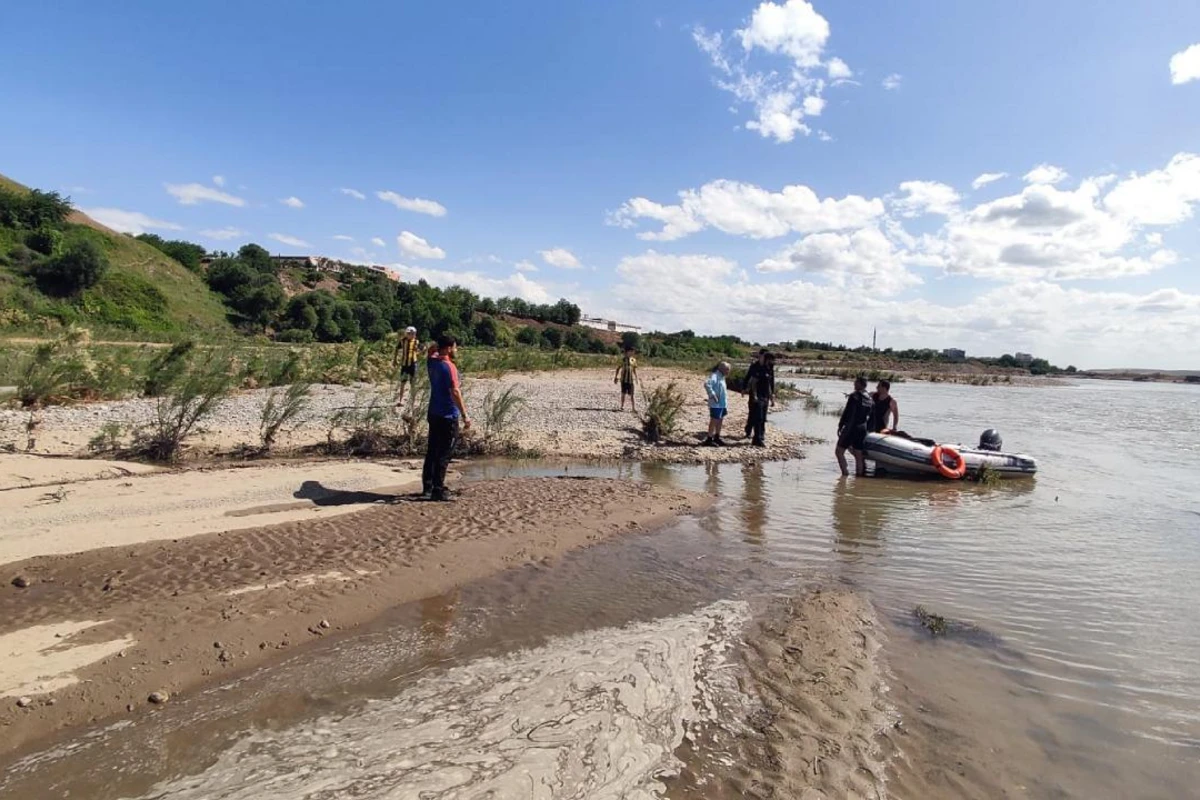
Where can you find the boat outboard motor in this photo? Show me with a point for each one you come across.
(990, 440)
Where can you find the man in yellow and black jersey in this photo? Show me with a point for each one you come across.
(407, 351)
(626, 375)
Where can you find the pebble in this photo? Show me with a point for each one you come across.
(129, 708)
(24, 702)
(158, 698)
(225, 658)
(324, 623)
(21, 582)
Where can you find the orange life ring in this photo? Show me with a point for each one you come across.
(954, 473)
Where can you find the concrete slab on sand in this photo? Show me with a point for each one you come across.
(65, 516)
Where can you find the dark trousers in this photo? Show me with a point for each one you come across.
(756, 424)
(442, 433)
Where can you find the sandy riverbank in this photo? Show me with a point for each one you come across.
(569, 413)
(109, 610)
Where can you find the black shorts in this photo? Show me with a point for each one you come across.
(627, 389)
(408, 372)
(853, 438)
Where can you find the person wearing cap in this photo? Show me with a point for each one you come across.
(407, 349)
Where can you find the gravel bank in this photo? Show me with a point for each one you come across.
(573, 414)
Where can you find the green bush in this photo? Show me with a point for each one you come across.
(487, 332)
(295, 336)
(80, 266)
(32, 210)
(44, 240)
(529, 335)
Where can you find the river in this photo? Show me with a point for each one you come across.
(1071, 669)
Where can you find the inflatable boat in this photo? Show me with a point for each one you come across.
(902, 453)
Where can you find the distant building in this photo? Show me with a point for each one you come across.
(607, 325)
(390, 274)
(954, 354)
(1023, 359)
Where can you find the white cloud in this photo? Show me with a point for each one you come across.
(1160, 197)
(986, 178)
(1154, 239)
(793, 29)
(290, 241)
(415, 246)
(838, 70)
(525, 266)
(1185, 65)
(341, 237)
(560, 257)
(417, 204)
(1065, 325)
(355, 193)
(379, 242)
(892, 82)
(189, 194)
(1047, 233)
(516, 285)
(743, 209)
(218, 180)
(865, 258)
(222, 234)
(813, 106)
(292, 202)
(1046, 173)
(781, 99)
(132, 222)
(927, 197)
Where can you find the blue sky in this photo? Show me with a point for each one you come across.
(777, 170)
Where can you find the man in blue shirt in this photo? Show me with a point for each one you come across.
(718, 404)
(446, 409)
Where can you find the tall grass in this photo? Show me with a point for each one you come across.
(282, 407)
(191, 398)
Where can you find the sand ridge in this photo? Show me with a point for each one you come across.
(822, 726)
(77, 515)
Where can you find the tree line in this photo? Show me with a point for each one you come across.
(368, 305)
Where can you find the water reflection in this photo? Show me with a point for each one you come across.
(754, 505)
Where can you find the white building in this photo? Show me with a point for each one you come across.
(607, 325)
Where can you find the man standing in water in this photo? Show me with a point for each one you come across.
(627, 375)
(718, 403)
(852, 427)
(407, 349)
(760, 385)
(446, 409)
(884, 406)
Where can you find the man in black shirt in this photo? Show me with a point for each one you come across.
(760, 386)
(853, 426)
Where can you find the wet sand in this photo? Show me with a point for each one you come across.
(91, 633)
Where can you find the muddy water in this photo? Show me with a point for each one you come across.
(1072, 667)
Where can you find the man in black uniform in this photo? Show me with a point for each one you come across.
(760, 386)
(852, 427)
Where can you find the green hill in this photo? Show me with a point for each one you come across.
(143, 294)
